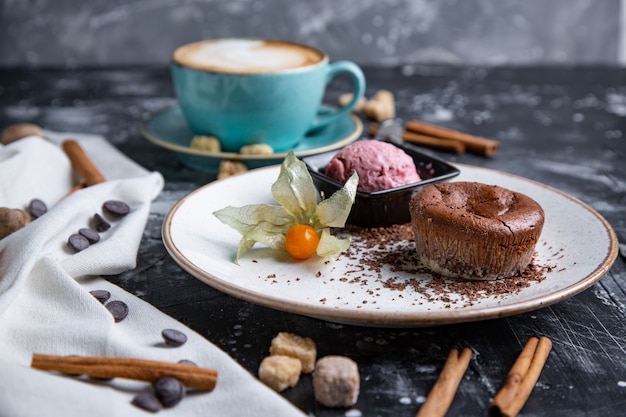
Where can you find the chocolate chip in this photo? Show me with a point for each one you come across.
(37, 208)
(101, 295)
(89, 234)
(118, 309)
(78, 242)
(170, 391)
(100, 224)
(147, 401)
(174, 337)
(116, 208)
(187, 362)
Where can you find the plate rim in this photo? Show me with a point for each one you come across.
(351, 137)
(398, 319)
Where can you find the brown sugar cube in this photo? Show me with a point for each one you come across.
(336, 381)
(384, 96)
(344, 99)
(231, 168)
(379, 110)
(381, 106)
(256, 149)
(302, 348)
(280, 372)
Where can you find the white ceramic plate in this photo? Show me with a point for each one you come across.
(578, 244)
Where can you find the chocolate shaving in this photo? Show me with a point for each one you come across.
(392, 248)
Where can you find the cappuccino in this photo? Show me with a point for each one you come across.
(254, 91)
(246, 56)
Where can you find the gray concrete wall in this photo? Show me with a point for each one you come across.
(381, 32)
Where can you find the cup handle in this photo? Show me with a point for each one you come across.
(358, 78)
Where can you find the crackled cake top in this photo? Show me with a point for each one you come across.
(472, 205)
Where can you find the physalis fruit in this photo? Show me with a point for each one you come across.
(298, 225)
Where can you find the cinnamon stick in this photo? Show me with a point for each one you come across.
(75, 188)
(474, 144)
(445, 145)
(442, 393)
(82, 164)
(521, 378)
(129, 368)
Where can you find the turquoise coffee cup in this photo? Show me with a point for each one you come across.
(250, 91)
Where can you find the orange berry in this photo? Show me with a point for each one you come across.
(301, 241)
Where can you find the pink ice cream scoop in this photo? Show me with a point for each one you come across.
(380, 165)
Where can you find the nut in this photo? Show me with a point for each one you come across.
(12, 220)
(19, 131)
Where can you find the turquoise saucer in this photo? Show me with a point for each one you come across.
(168, 129)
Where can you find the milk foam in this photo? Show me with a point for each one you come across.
(246, 56)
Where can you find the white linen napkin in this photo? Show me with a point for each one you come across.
(46, 307)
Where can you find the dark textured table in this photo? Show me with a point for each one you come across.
(564, 127)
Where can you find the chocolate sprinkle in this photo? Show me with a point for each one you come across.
(393, 248)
